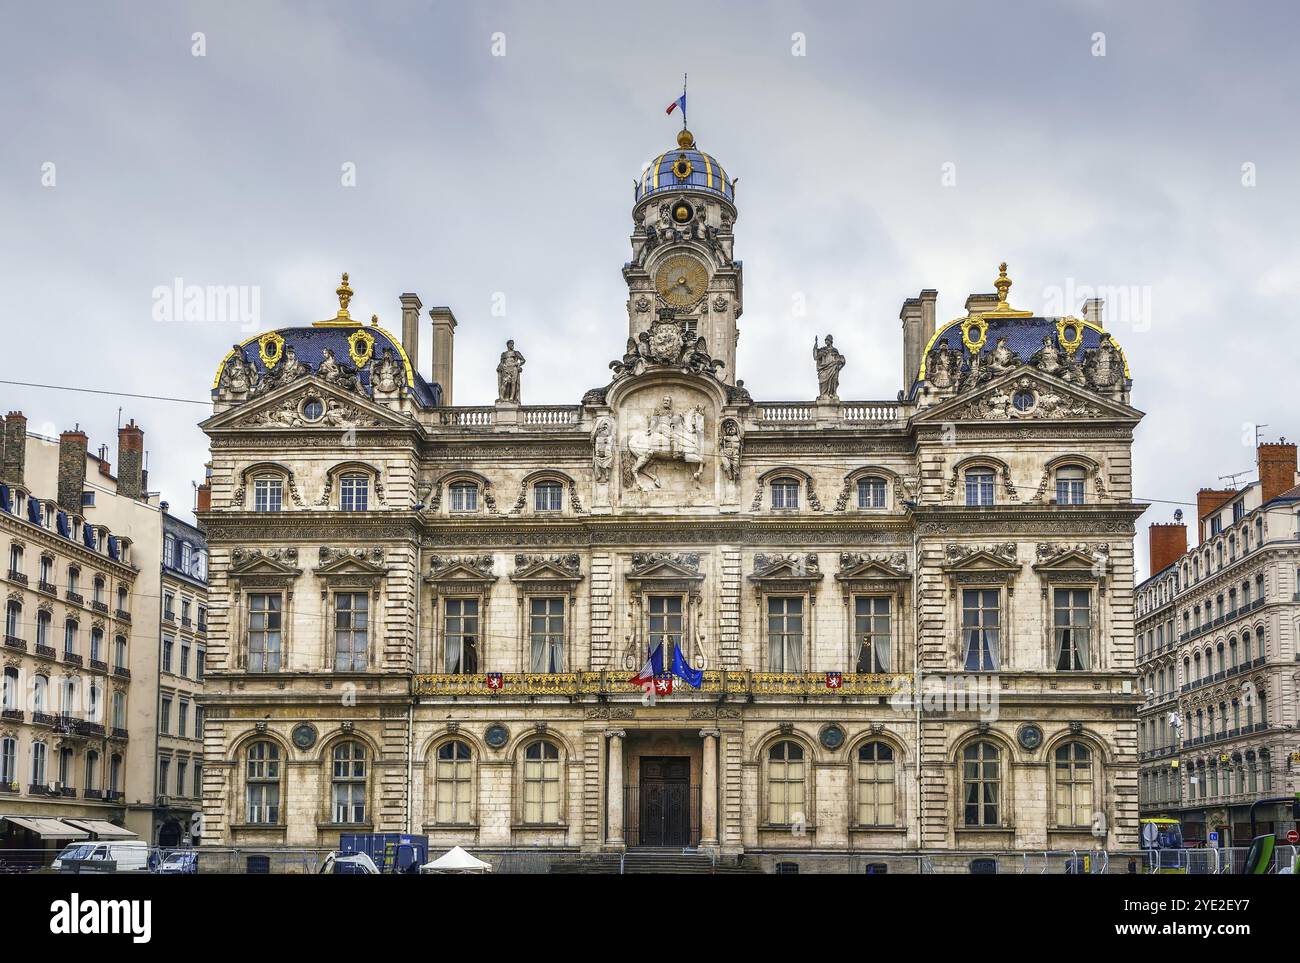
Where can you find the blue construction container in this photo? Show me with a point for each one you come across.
(391, 852)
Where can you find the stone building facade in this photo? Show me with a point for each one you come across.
(77, 732)
(911, 619)
(183, 633)
(1217, 629)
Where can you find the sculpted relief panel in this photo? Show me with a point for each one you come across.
(666, 450)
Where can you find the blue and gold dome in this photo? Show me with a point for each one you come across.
(686, 168)
(351, 343)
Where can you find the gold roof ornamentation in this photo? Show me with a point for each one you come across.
(1003, 285)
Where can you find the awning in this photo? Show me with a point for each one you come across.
(48, 828)
(102, 829)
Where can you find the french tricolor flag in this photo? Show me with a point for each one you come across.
(679, 102)
(654, 666)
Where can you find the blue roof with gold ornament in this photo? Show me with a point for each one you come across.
(351, 343)
(1025, 333)
(686, 168)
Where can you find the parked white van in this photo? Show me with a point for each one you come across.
(120, 856)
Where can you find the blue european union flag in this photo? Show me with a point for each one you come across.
(682, 669)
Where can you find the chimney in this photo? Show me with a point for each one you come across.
(1167, 542)
(105, 468)
(14, 462)
(130, 460)
(203, 495)
(72, 469)
(444, 343)
(1207, 500)
(917, 316)
(411, 328)
(980, 303)
(1092, 311)
(1277, 468)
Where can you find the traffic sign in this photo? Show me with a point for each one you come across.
(1292, 836)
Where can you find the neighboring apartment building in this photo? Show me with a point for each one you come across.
(1217, 629)
(425, 617)
(180, 716)
(80, 644)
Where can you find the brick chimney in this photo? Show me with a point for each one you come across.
(203, 494)
(130, 460)
(1207, 500)
(72, 469)
(1277, 468)
(444, 344)
(1167, 542)
(13, 465)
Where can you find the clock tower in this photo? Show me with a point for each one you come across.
(683, 217)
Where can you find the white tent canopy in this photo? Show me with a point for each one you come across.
(456, 860)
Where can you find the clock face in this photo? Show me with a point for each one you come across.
(681, 280)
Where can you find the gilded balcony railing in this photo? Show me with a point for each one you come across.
(716, 682)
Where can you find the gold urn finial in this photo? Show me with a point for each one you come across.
(374, 320)
(345, 295)
(1002, 284)
(685, 139)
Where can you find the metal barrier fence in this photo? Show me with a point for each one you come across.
(280, 861)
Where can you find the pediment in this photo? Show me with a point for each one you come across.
(867, 567)
(786, 569)
(284, 407)
(466, 569)
(1000, 558)
(274, 562)
(1050, 399)
(560, 568)
(666, 566)
(358, 561)
(1073, 560)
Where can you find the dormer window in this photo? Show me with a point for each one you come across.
(785, 493)
(169, 551)
(548, 496)
(1069, 485)
(354, 492)
(979, 487)
(187, 555)
(871, 492)
(463, 497)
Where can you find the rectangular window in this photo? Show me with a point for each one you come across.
(548, 497)
(666, 625)
(871, 493)
(165, 716)
(464, 498)
(546, 630)
(164, 775)
(1072, 623)
(460, 634)
(1069, 486)
(871, 629)
(981, 622)
(267, 494)
(351, 631)
(169, 606)
(169, 551)
(168, 645)
(264, 638)
(784, 633)
(183, 721)
(785, 494)
(185, 659)
(181, 772)
(354, 493)
(979, 487)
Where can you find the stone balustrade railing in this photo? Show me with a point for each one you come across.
(765, 413)
(738, 682)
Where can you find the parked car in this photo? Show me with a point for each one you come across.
(120, 856)
(179, 862)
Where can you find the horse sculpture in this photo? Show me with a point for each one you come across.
(669, 437)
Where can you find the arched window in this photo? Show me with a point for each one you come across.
(871, 492)
(877, 789)
(74, 579)
(16, 573)
(548, 496)
(786, 791)
(785, 493)
(114, 774)
(10, 703)
(452, 783)
(119, 710)
(542, 783)
(92, 770)
(981, 785)
(1074, 796)
(979, 486)
(96, 644)
(40, 684)
(1070, 481)
(268, 493)
(348, 783)
(463, 497)
(8, 761)
(263, 783)
(70, 637)
(40, 758)
(13, 619)
(354, 492)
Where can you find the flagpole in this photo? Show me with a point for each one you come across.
(683, 101)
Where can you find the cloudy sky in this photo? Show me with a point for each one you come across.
(1149, 150)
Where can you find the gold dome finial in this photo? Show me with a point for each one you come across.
(1003, 285)
(686, 140)
(345, 295)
